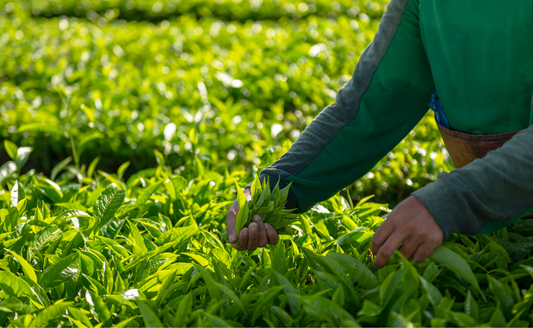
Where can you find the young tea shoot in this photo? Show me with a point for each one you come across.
(268, 204)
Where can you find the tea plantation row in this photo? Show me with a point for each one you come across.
(104, 251)
(234, 10)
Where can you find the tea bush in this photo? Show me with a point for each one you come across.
(105, 251)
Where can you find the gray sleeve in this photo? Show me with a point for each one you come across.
(487, 194)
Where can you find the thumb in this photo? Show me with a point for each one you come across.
(248, 194)
(231, 222)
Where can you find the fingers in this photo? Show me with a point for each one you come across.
(248, 194)
(381, 235)
(409, 247)
(253, 236)
(231, 222)
(263, 239)
(243, 240)
(258, 234)
(424, 251)
(272, 235)
(385, 251)
(231, 219)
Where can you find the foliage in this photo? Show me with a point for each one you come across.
(235, 10)
(145, 252)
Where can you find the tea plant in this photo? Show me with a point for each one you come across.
(238, 10)
(103, 251)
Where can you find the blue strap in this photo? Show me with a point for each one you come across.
(440, 115)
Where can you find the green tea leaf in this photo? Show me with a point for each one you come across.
(289, 290)
(14, 286)
(338, 296)
(217, 322)
(92, 167)
(149, 317)
(177, 235)
(264, 301)
(184, 310)
(99, 307)
(15, 194)
(242, 215)
(137, 238)
(389, 286)
(108, 203)
(175, 186)
(30, 272)
(7, 169)
(59, 167)
(471, 307)
(52, 273)
(212, 288)
(48, 314)
(80, 316)
(232, 295)
(23, 154)
(358, 272)
(503, 295)
(279, 258)
(11, 149)
(434, 294)
(455, 263)
(325, 309)
(284, 318)
(497, 319)
(122, 168)
(370, 309)
(45, 236)
(431, 272)
(86, 140)
(146, 193)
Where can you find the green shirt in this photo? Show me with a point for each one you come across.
(479, 56)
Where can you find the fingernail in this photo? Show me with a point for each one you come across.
(232, 238)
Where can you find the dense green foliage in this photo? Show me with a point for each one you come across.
(126, 126)
(146, 251)
(225, 9)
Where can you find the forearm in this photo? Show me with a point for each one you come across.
(486, 194)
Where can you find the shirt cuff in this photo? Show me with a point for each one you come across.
(428, 197)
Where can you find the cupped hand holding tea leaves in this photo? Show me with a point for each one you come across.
(256, 215)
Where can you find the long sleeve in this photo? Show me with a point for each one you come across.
(487, 194)
(387, 95)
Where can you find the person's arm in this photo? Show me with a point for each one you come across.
(387, 95)
(487, 194)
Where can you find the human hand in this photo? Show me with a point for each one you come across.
(257, 234)
(411, 226)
